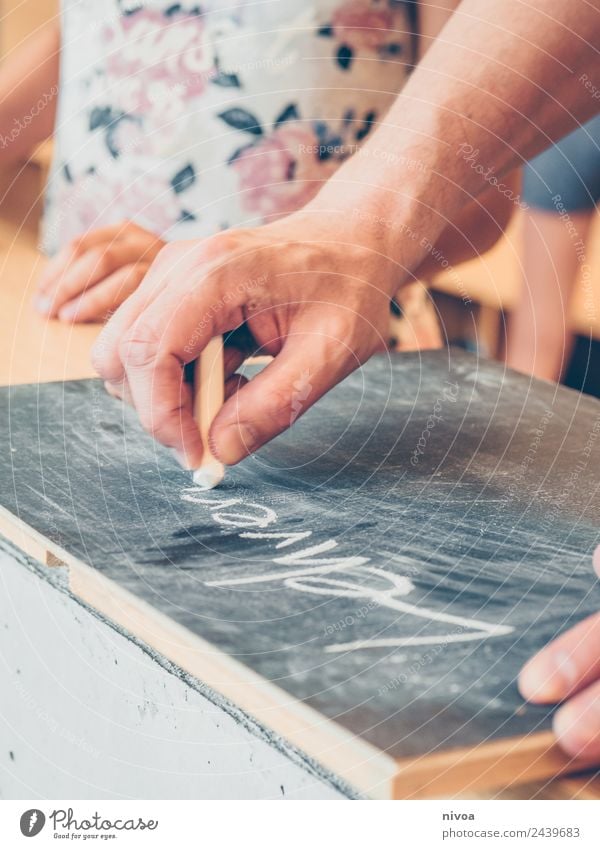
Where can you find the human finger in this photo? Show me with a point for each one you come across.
(97, 302)
(565, 666)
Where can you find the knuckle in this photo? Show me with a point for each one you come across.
(277, 406)
(168, 256)
(221, 244)
(130, 228)
(139, 348)
(103, 259)
(77, 246)
(93, 304)
(226, 241)
(168, 251)
(339, 328)
(100, 357)
(154, 421)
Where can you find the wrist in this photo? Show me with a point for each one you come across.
(392, 201)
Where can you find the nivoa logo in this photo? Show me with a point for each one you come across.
(458, 815)
(32, 822)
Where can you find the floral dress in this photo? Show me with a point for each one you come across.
(189, 118)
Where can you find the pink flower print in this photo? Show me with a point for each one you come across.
(156, 51)
(362, 26)
(112, 195)
(282, 172)
(125, 137)
(148, 199)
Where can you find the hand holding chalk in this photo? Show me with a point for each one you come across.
(317, 310)
(208, 400)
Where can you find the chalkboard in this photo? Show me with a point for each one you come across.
(391, 561)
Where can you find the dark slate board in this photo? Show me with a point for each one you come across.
(496, 520)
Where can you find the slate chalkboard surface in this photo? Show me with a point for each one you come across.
(391, 561)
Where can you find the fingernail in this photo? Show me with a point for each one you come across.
(112, 390)
(567, 731)
(43, 304)
(235, 442)
(548, 677)
(68, 312)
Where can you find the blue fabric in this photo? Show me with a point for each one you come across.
(570, 168)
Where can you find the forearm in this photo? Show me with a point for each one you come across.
(475, 229)
(28, 93)
(502, 80)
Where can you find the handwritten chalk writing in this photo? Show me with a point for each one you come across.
(286, 538)
(404, 642)
(304, 556)
(355, 579)
(307, 556)
(386, 596)
(266, 516)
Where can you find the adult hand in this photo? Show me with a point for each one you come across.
(568, 670)
(90, 277)
(300, 289)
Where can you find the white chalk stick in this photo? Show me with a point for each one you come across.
(208, 400)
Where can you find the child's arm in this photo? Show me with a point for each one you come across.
(28, 93)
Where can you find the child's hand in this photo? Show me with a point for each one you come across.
(93, 275)
(568, 670)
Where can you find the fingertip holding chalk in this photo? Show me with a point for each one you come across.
(208, 400)
(209, 476)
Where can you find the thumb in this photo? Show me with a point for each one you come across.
(305, 369)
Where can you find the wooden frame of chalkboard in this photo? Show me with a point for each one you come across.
(367, 586)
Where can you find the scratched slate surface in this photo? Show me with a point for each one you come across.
(412, 574)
